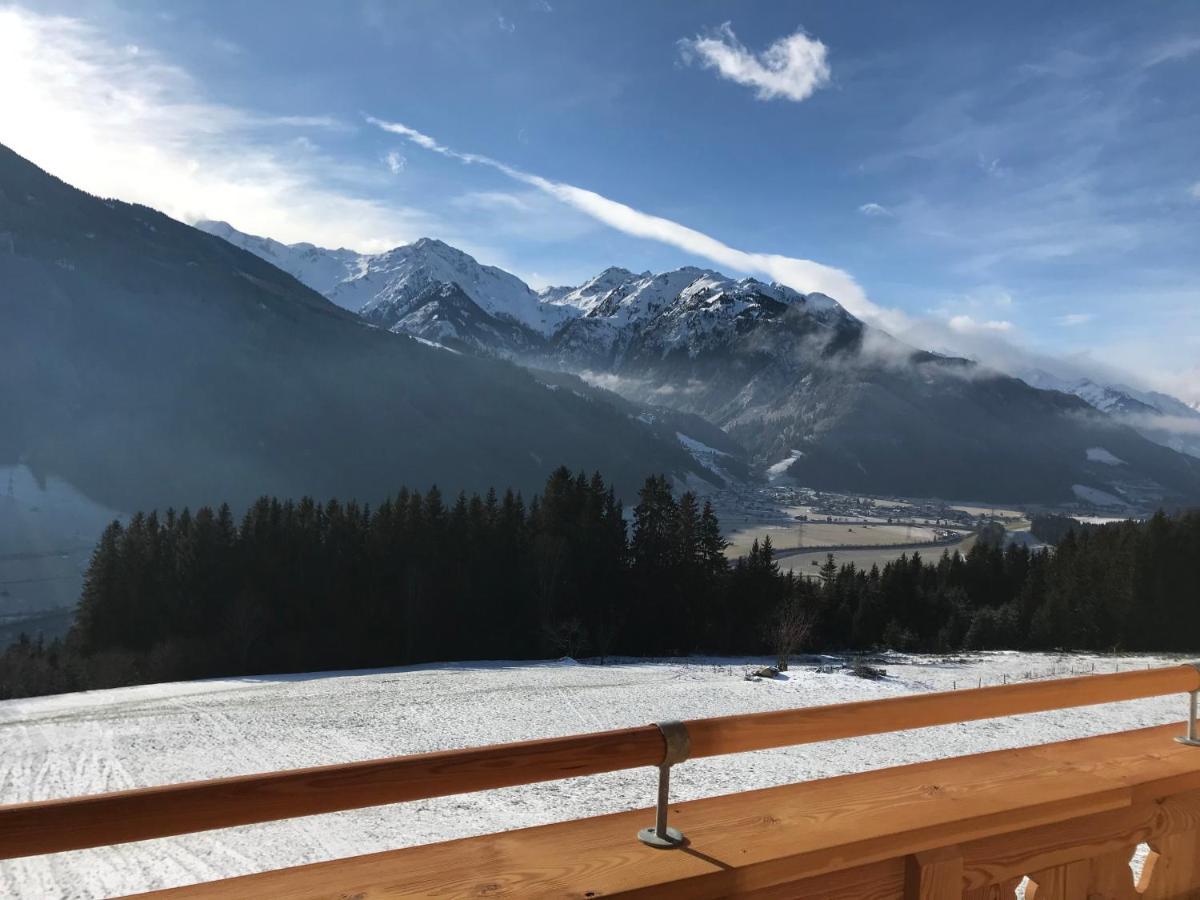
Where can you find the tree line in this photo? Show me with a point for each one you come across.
(298, 586)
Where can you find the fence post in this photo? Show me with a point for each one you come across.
(678, 746)
(1192, 738)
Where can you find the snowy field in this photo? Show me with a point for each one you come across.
(807, 563)
(108, 740)
(822, 534)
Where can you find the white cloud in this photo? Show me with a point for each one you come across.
(494, 200)
(1194, 190)
(1072, 319)
(964, 324)
(307, 122)
(1176, 49)
(804, 275)
(395, 162)
(793, 67)
(77, 102)
(875, 209)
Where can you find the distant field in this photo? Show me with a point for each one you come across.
(824, 534)
(803, 563)
(990, 511)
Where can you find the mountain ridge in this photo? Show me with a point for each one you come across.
(807, 388)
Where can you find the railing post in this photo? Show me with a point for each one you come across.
(1192, 738)
(678, 746)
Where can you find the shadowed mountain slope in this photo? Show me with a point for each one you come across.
(150, 363)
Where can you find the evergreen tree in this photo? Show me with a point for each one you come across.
(303, 585)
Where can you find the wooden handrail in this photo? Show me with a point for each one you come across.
(51, 826)
(807, 725)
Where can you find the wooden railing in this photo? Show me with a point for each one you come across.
(1079, 788)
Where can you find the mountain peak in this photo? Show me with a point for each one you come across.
(435, 244)
(219, 227)
(437, 247)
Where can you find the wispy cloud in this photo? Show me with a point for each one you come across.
(395, 161)
(1070, 320)
(875, 209)
(493, 200)
(307, 122)
(1086, 127)
(1175, 49)
(528, 217)
(793, 67)
(802, 274)
(151, 136)
(964, 324)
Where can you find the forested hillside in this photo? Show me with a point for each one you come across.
(298, 586)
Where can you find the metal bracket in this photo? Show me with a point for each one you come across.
(678, 746)
(1192, 738)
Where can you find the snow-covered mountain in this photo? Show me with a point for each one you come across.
(1160, 417)
(381, 286)
(809, 391)
(688, 310)
(321, 269)
(1107, 398)
(618, 312)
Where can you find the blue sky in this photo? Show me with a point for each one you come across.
(1015, 181)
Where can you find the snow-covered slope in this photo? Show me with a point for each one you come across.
(1160, 417)
(687, 309)
(134, 737)
(395, 276)
(592, 292)
(321, 269)
(376, 283)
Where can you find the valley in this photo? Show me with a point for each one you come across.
(510, 449)
(807, 525)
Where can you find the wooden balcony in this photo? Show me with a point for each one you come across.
(1068, 815)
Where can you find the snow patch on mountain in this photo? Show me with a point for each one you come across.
(709, 457)
(779, 470)
(1100, 455)
(435, 345)
(694, 446)
(1095, 496)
